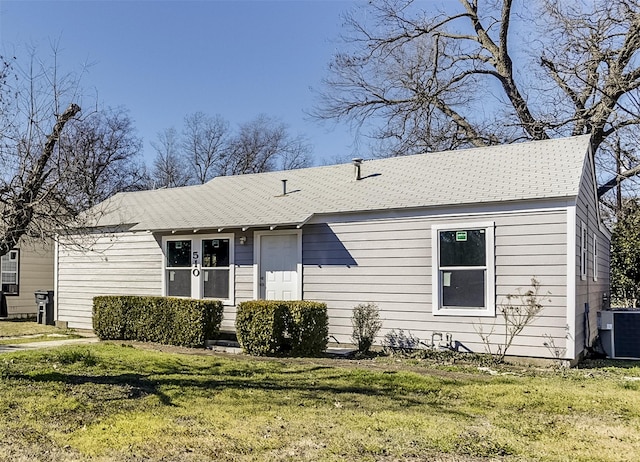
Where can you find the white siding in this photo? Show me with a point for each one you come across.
(384, 258)
(129, 264)
(118, 264)
(588, 290)
(388, 262)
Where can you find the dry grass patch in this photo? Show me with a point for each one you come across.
(113, 402)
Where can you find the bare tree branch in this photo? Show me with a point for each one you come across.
(19, 213)
(420, 80)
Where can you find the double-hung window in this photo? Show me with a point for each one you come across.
(178, 268)
(9, 272)
(215, 268)
(463, 280)
(199, 267)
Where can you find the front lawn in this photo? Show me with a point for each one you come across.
(117, 402)
(14, 331)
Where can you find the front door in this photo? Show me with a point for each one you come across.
(279, 267)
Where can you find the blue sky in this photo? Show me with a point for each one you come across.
(163, 60)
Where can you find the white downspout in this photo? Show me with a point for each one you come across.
(571, 283)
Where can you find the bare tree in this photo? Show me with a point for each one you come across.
(203, 144)
(486, 72)
(170, 167)
(101, 156)
(207, 148)
(53, 164)
(34, 115)
(264, 144)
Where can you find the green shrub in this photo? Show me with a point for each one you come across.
(172, 321)
(308, 327)
(366, 324)
(109, 316)
(276, 327)
(260, 327)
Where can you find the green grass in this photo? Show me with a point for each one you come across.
(114, 402)
(18, 328)
(37, 338)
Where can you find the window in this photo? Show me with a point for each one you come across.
(583, 252)
(199, 267)
(179, 268)
(9, 270)
(595, 257)
(463, 269)
(215, 268)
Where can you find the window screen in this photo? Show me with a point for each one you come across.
(179, 283)
(463, 288)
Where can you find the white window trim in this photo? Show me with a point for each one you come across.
(199, 289)
(595, 257)
(257, 236)
(490, 278)
(583, 251)
(13, 254)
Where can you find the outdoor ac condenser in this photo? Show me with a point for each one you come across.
(620, 333)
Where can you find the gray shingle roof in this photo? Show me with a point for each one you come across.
(533, 170)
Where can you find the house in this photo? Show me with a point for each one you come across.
(24, 270)
(437, 241)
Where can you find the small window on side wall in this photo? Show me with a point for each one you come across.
(463, 266)
(595, 257)
(583, 252)
(9, 272)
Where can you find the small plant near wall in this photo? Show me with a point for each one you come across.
(557, 351)
(517, 312)
(397, 342)
(366, 323)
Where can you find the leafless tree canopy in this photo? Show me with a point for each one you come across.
(203, 143)
(208, 148)
(263, 145)
(170, 168)
(482, 72)
(100, 155)
(53, 163)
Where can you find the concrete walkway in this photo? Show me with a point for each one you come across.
(47, 344)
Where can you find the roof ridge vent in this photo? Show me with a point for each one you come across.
(357, 162)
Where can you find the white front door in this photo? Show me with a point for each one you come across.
(279, 261)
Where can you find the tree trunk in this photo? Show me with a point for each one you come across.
(19, 212)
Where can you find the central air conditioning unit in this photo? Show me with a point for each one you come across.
(620, 333)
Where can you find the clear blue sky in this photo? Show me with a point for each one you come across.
(163, 60)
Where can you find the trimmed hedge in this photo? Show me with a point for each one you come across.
(308, 327)
(278, 327)
(167, 320)
(260, 327)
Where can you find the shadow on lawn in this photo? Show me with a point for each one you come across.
(138, 385)
(327, 388)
